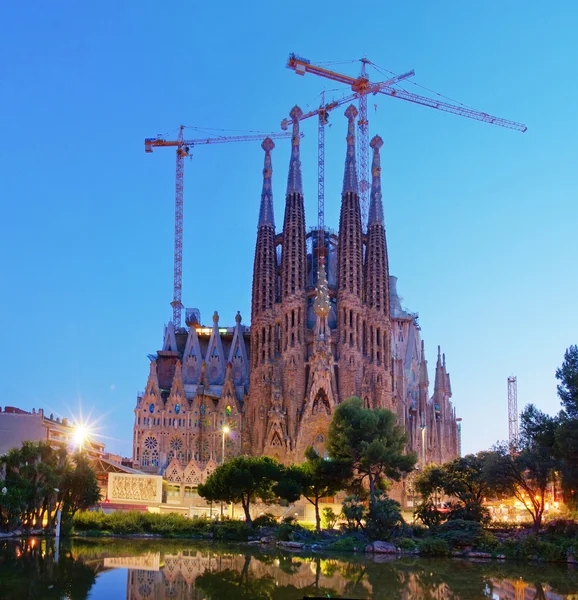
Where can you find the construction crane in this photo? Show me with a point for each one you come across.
(323, 114)
(361, 87)
(513, 412)
(183, 149)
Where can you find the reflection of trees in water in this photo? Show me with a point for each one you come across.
(197, 570)
(28, 569)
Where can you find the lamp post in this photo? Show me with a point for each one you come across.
(224, 432)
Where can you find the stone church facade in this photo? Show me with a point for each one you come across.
(326, 324)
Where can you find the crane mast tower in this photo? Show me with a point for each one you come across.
(513, 411)
(183, 148)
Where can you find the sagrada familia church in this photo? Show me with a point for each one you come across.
(326, 324)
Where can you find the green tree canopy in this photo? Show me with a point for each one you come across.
(314, 479)
(243, 479)
(567, 374)
(567, 431)
(370, 441)
(39, 480)
(526, 473)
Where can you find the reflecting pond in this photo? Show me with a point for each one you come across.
(153, 569)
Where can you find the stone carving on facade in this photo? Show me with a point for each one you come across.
(133, 487)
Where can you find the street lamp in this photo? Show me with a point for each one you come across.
(225, 431)
(80, 435)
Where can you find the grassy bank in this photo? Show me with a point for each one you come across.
(454, 538)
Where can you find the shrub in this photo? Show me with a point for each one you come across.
(284, 532)
(429, 515)
(346, 543)
(434, 547)
(383, 518)
(565, 527)
(230, 530)
(135, 522)
(354, 511)
(459, 533)
(407, 544)
(469, 512)
(328, 518)
(266, 520)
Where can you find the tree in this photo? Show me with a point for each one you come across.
(33, 475)
(567, 374)
(313, 479)
(465, 481)
(527, 473)
(430, 484)
(567, 432)
(39, 480)
(369, 441)
(243, 479)
(79, 488)
(567, 449)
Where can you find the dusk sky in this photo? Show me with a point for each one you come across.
(481, 221)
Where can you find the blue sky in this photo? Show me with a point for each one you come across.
(480, 220)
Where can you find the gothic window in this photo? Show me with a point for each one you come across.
(228, 411)
(155, 458)
(320, 402)
(146, 460)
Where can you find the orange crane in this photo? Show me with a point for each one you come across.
(323, 113)
(362, 86)
(183, 149)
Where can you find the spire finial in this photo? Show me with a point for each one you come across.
(375, 203)
(294, 183)
(350, 176)
(266, 216)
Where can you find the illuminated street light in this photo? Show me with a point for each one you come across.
(225, 431)
(80, 435)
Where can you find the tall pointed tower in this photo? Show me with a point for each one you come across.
(263, 326)
(351, 323)
(378, 344)
(293, 307)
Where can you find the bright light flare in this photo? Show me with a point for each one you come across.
(81, 435)
(226, 429)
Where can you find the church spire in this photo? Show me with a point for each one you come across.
(350, 250)
(266, 215)
(375, 203)
(294, 257)
(376, 260)
(294, 183)
(350, 175)
(265, 264)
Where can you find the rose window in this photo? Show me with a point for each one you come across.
(151, 443)
(176, 444)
